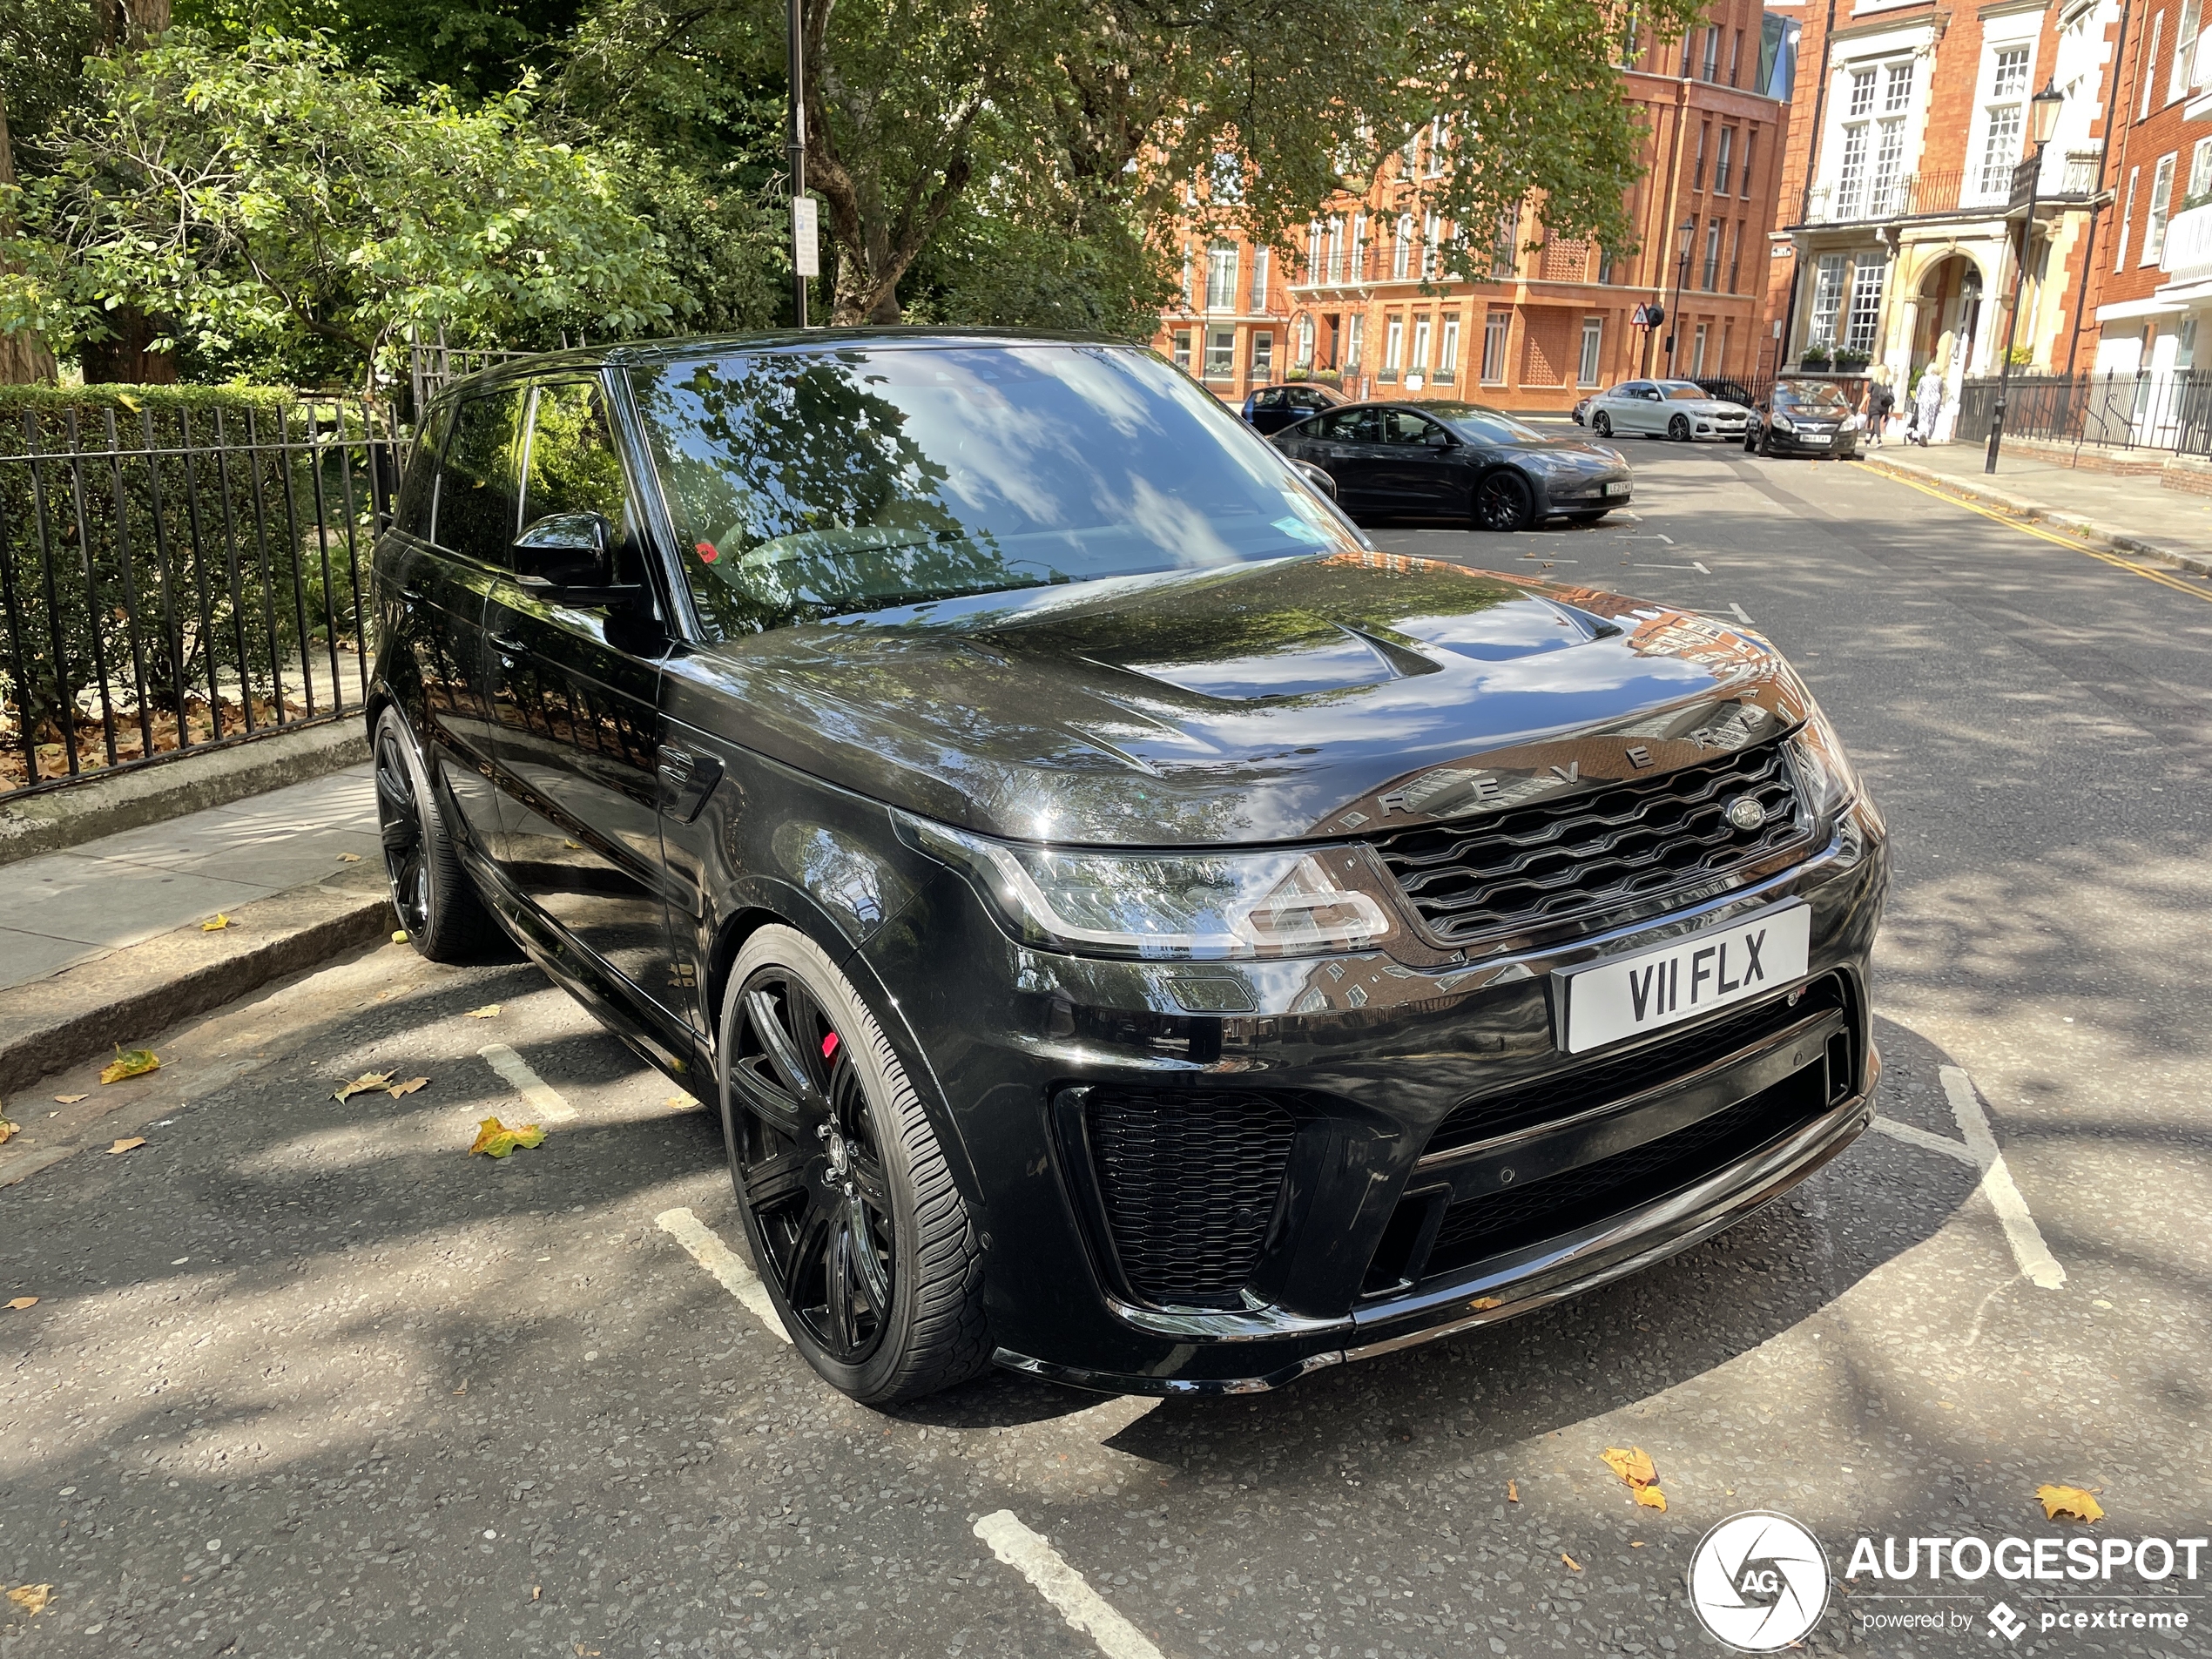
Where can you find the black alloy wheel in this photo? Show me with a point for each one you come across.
(848, 1202)
(1678, 428)
(432, 895)
(1602, 423)
(1503, 500)
(1751, 440)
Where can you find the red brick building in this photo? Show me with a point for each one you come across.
(1898, 235)
(1363, 303)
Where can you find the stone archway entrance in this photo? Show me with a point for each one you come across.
(1950, 316)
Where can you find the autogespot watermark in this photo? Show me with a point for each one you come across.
(1759, 1582)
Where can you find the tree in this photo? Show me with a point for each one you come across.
(1249, 112)
(268, 192)
(42, 45)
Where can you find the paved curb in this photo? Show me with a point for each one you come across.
(168, 789)
(1989, 495)
(129, 996)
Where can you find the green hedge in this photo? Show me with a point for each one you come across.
(233, 587)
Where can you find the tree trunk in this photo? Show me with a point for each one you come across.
(127, 358)
(24, 358)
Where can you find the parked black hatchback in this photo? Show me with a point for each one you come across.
(1135, 931)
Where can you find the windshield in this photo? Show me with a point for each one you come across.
(1495, 426)
(1814, 395)
(1685, 391)
(813, 484)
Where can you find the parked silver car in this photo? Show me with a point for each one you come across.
(1682, 410)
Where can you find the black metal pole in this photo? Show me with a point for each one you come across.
(1674, 316)
(796, 148)
(2013, 323)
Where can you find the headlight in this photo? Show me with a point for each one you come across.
(1782, 423)
(1174, 906)
(1854, 423)
(1823, 770)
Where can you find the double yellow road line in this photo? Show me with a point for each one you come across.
(2150, 573)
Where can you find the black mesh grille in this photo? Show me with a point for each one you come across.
(1477, 1227)
(1549, 862)
(1189, 1183)
(1562, 1094)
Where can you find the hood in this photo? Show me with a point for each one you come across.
(1322, 696)
(1577, 452)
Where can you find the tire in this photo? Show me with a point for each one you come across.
(1503, 502)
(1750, 441)
(1602, 423)
(864, 1244)
(1678, 428)
(432, 895)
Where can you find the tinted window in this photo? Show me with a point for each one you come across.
(1401, 425)
(573, 465)
(1815, 395)
(1688, 391)
(808, 484)
(1273, 400)
(1340, 427)
(476, 483)
(419, 489)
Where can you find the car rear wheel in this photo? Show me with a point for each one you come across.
(432, 895)
(1602, 423)
(864, 1244)
(1678, 428)
(1504, 501)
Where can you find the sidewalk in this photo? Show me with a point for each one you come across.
(104, 944)
(2134, 515)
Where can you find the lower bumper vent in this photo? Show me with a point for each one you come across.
(1189, 1183)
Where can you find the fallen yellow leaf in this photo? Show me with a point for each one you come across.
(217, 926)
(1652, 1498)
(366, 1083)
(493, 1139)
(1633, 1465)
(8, 1130)
(22, 1302)
(681, 1102)
(399, 935)
(485, 1012)
(398, 1091)
(129, 1063)
(71, 1100)
(1570, 1561)
(2072, 1502)
(573, 847)
(32, 1598)
(350, 858)
(1513, 1491)
(130, 1144)
(1484, 1304)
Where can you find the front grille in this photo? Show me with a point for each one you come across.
(1189, 1183)
(1474, 1228)
(1563, 1093)
(1551, 861)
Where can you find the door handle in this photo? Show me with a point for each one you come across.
(687, 780)
(412, 595)
(508, 644)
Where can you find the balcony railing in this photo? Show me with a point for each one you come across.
(2068, 175)
(2188, 256)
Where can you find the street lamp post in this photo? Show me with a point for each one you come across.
(1681, 269)
(2043, 119)
(805, 260)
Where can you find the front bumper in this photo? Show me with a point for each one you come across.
(1840, 445)
(1726, 429)
(1372, 1054)
(1587, 494)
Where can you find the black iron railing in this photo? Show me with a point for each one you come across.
(181, 575)
(2169, 411)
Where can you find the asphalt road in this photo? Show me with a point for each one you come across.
(303, 1379)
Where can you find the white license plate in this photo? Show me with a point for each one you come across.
(1628, 996)
(1812, 437)
(1617, 490)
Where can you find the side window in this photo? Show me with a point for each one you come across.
(1404, 427)
(1334, 428)
(572, 464)
(1268, 399)
(1366, 427)
(419, 489)
(476, 483)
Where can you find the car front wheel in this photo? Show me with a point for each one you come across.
(1678, 428)
(432, 895)
(1503, 500)
(864, 1244)
(1602, 423)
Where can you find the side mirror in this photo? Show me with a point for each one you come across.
(568, 556)
(1319, 480)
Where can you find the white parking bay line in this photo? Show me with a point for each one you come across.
(1912, 1135)
(1029, 1555)
(710, 1253)
(1698, 567)
(550, 1107)
(1742, 615)
(2020, 1231)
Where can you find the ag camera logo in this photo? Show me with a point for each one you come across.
(1758, 1582)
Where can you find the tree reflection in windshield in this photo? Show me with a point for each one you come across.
(811, 484)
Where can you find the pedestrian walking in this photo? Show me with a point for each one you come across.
(1880, 401)
(1927, 404)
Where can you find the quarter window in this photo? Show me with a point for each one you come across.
(476, 505)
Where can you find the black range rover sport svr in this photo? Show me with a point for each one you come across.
(1136, 932)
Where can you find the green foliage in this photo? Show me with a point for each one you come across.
(225, 589)
(1847, 359)
(1814, 357)
(478, 50)
(999, 272)
(267, 195)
